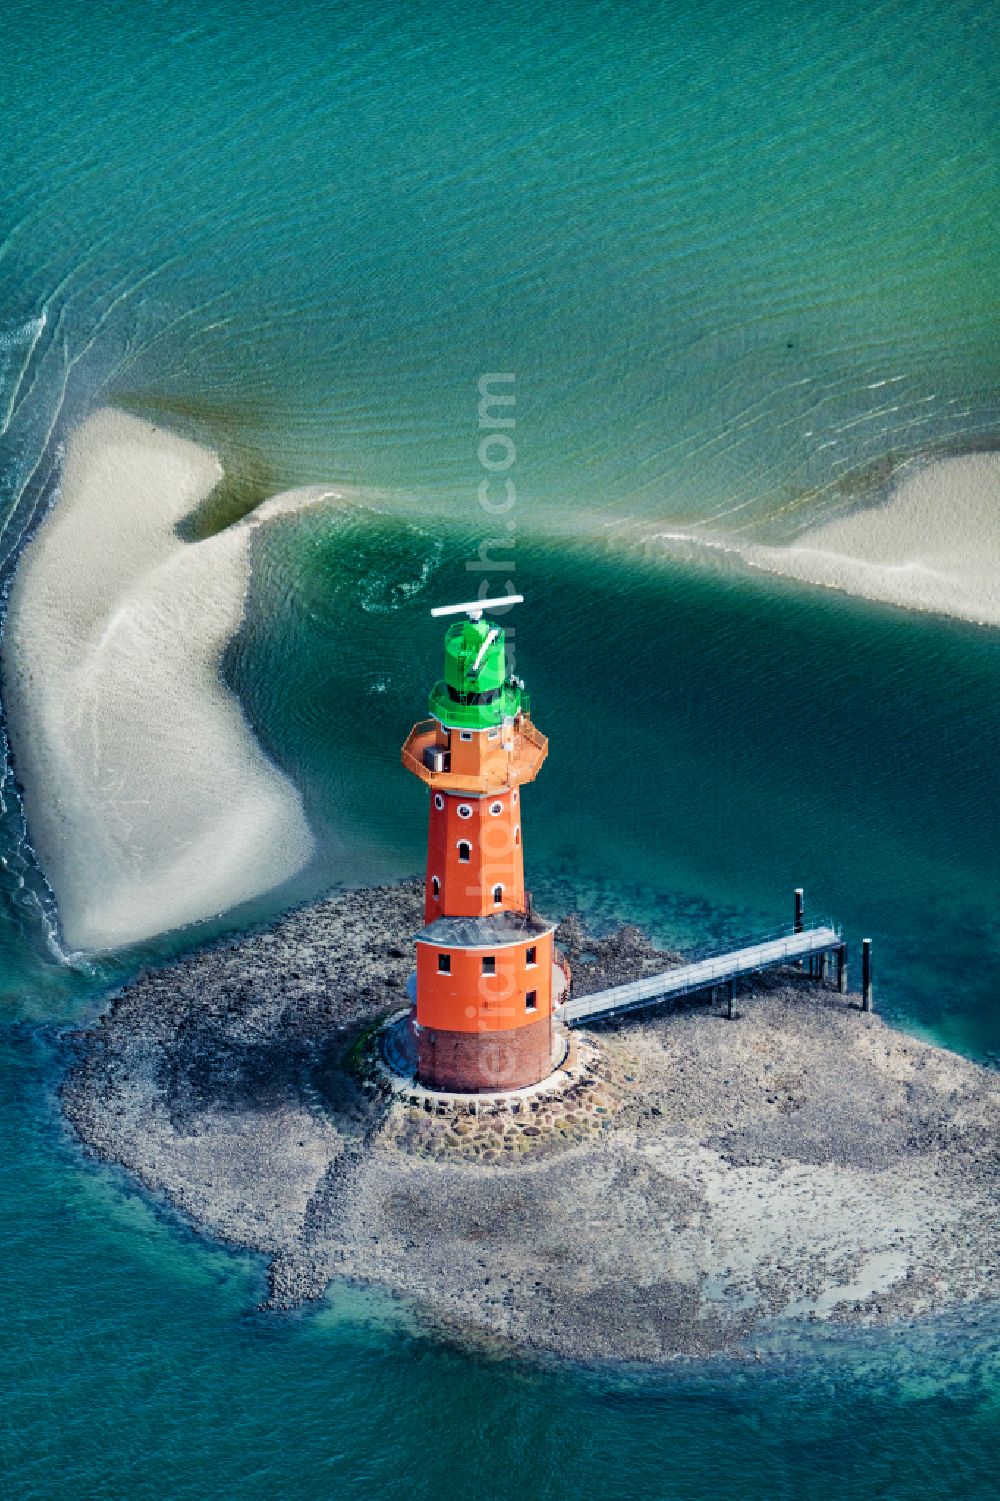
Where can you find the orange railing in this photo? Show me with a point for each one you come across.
(527, 739)
(525, 730)
(410, 761)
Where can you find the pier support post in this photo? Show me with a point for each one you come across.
(842, 969)
(730, 997)
(866, 974)
(824, 966)
(798, 921)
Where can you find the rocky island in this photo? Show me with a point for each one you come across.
(682, 1183)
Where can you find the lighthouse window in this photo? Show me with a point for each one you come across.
(464, 811)
(435, 886)
(493, 734)
(498, 893)
(464, 851)
(531, 1000)
(465, 734)
(496, 809)
(513, 797)
(444, 964)
(438, 801)
(531, 955)
(489, 964)
(517, 834)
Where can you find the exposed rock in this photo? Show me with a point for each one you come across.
(693, 1180)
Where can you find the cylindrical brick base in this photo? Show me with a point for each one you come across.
(483, 1062)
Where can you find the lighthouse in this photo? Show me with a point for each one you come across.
(486, 978)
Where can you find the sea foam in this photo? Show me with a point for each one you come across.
(148, 799)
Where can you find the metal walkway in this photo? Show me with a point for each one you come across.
(706, 973)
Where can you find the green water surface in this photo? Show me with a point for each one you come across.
(741, 262)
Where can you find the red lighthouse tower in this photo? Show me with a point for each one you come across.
(485, 982)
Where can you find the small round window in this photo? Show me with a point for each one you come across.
(496, 809)
(438, 801)
(464, 811)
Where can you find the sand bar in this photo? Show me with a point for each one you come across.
(148, 799)
(933, 545)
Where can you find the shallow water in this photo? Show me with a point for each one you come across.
(738, 270)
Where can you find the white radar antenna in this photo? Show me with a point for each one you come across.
(474, 608)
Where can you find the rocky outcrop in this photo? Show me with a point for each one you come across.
(688, 1182)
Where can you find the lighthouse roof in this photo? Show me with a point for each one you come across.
(493, 931)
(475, 692)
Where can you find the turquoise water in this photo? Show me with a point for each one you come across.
(735, 261)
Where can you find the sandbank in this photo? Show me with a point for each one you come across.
(933, 545)
(149, 801)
